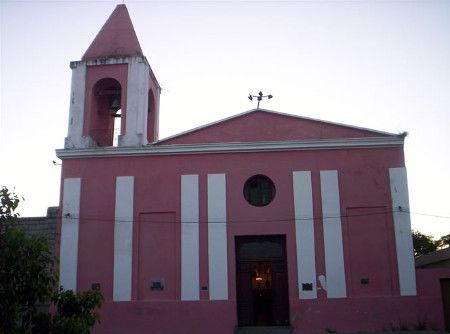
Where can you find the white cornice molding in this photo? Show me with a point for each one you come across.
(241, 147)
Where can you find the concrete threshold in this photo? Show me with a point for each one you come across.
(264, 330)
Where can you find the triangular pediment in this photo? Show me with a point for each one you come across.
(264, 125)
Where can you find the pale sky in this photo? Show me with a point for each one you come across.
(383, 65)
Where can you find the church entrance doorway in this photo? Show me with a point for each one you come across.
(261, 278)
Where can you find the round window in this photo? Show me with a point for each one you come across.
(259, 190)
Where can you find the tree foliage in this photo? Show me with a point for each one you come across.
(28, 280)
(74, 313)
(424, 244)
(444, 241)
(9, 203)
(25, 278)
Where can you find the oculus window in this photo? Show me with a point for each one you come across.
(259, 190)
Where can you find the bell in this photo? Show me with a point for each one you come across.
(115, 105)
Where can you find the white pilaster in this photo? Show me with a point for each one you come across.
(69, 234)
(217, 237)
(304, 234)
(190, 269)
(137, 103)
(332, 234)
(123, 238)
(402, 227)
(74, 137)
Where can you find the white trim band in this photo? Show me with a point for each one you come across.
(264, 146)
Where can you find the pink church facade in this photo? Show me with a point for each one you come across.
(260, 220)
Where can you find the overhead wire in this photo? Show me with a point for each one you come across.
(251, 220)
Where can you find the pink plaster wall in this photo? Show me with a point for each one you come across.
(369, 246)
(428, 288)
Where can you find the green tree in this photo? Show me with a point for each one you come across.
(423, 244)
(28, 280)
(9, 203)
(444, 241)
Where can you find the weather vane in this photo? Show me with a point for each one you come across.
(259, 97)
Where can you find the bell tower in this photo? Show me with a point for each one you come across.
(114, 97)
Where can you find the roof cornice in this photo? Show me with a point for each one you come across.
(240, 147)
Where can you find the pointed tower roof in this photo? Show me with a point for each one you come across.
(117, 38)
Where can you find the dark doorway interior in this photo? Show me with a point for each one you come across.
(261, 278)
(262, 293)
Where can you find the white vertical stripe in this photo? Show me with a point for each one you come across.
(75, 137)
(332, 234)
(304, 233)
(69, 234)
(402, 227)
(190, 275)
(123, 238)
(217, 237)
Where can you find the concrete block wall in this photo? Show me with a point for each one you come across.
(44, 226)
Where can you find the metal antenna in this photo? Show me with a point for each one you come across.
(259, 97)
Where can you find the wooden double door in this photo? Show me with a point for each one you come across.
(261, 278)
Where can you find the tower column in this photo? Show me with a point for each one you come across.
(74, 137)
(137, 103)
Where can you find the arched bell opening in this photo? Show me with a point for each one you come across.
(105, 125)
(151, 117)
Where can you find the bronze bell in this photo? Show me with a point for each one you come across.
(115, 104)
